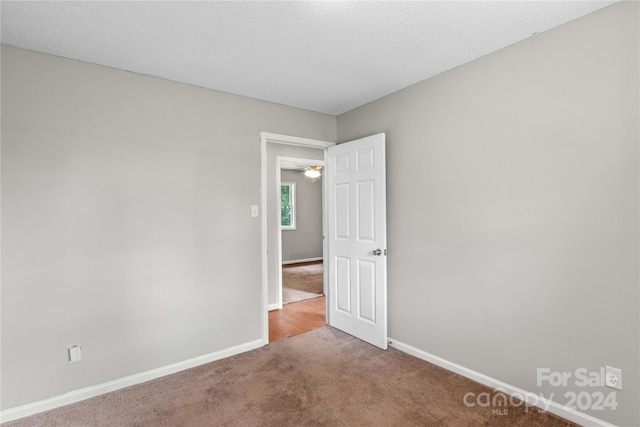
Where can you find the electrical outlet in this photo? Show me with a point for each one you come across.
(613, 377)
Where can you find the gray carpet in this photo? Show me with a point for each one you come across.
(323, 377)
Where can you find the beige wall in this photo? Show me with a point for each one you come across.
(306, 240)
(126, 227)
(513, 207)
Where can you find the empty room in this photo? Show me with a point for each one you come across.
(475, 247)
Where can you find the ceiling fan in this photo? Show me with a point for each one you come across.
(313, 172)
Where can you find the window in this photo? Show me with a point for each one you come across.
(288, 205)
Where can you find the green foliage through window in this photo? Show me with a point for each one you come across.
(287, 197)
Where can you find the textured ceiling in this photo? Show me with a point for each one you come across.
(322, 56)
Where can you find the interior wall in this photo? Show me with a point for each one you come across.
(513, 208)
(305, 241)
(275, 150)
(121, 230)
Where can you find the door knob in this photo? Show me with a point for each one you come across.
(377, 252)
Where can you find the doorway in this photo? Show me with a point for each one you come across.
(300, 240)
(354, 226)
(300, 249)
(275, 150)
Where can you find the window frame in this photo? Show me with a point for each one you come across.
(292, 203)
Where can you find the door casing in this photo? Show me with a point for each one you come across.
(267, 137)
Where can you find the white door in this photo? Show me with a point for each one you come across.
(358, 239)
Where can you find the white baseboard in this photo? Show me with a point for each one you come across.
(539, 401)
(298, 261)
(275, 306)
(92, 391)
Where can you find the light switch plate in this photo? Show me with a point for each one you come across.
(75, 354)
(254, 211)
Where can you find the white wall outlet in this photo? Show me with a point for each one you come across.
(254, 211)
(613, 377)
(75, 353)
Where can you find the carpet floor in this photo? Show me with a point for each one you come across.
(301, 282)
(323, 377)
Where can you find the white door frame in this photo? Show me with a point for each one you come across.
(266, 137)
(282, 160)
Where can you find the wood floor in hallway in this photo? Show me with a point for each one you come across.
(297, 318)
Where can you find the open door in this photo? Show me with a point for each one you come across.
(357, 239)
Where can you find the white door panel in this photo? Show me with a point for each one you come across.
(357, 229)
